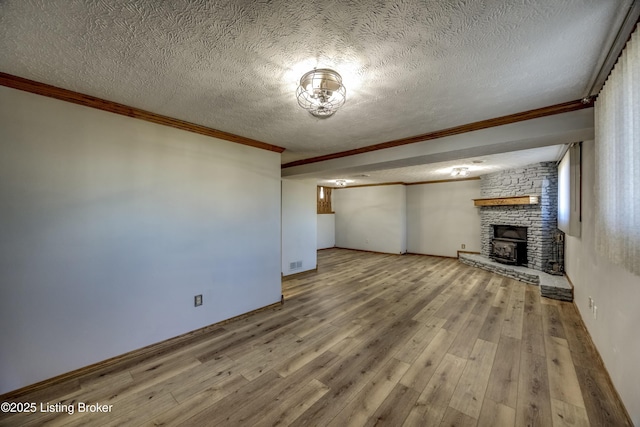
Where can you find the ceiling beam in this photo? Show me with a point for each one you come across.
(556, 129)
(457, 130)
(437, 181)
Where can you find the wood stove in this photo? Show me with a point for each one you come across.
(509, 244)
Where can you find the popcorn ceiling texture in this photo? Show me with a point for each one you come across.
(442, 170)
(409, 66)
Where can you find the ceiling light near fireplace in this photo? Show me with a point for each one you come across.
(321, 92)
(460, 172)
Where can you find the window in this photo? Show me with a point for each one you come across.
(569, 191)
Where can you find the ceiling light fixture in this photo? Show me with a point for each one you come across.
(460, 172)
(321, 92)
(341, 182)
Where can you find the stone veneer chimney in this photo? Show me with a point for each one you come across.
(541, 220)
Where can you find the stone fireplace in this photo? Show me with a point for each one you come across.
(518, 207)
(540, 220)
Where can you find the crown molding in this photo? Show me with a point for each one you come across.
(43, 89)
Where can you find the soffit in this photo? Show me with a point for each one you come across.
(477, 166)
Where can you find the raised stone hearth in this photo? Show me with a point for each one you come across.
(555, 287)
(524, 198)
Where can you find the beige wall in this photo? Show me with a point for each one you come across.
(371, 218)
(109, 228)
(616, 293)
(326, 231)
(441, 218)
(299, 225)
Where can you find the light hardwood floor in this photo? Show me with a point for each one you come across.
(370, 339)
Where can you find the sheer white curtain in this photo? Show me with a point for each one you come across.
(617, 192)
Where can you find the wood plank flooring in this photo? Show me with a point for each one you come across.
(370, 339)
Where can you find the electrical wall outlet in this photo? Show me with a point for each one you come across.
(463, 246)
(197, 300)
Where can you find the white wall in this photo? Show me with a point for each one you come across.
(441, 217)
(111, 225)
(616, 293)
(299, 229)
(326, 231)
(371, 218)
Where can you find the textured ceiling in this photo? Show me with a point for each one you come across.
(409, 66)
(477, 166)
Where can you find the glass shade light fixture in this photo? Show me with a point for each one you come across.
(321, 92)
(460, 172)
